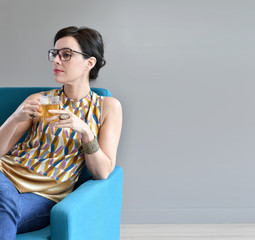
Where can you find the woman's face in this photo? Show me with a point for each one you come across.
(74, 70)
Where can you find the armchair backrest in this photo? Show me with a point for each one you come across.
(12, 97)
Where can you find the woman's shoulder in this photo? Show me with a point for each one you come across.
(111, 102)
(38, 94)
(111, 106)
(105, 101)
(34, 96)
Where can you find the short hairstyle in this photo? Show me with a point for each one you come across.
(91, 43)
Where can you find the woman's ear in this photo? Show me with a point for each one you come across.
(91, 62)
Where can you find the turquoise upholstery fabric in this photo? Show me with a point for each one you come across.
(93, 210)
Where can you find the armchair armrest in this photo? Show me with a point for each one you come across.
(91, 212)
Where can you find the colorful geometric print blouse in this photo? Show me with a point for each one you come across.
(57, 152)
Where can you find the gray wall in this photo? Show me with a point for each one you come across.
(184, 72)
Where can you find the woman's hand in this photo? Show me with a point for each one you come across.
(31, 109)
(70, 120)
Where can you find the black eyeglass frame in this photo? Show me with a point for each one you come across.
(71, 50)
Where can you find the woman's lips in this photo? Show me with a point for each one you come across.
(58, 71)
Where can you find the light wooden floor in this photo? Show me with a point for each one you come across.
(187, 231)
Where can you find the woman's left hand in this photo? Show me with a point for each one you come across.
(70, 120)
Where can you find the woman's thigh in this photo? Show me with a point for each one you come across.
(34, 212)
(26, 211)
(9, 208)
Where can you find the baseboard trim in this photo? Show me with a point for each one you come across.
(188, 216)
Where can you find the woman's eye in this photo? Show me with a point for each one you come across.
(66, 54)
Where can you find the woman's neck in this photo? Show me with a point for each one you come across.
(76, 92)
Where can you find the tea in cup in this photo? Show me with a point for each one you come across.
(49, 103)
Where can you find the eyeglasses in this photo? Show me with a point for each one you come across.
(65, 54)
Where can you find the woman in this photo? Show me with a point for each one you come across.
(41, 171)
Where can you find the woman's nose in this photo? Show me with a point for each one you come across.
(57, 60)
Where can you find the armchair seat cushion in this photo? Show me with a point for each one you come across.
(43, 234)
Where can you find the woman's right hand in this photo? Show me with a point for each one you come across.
(19, 122)
(30, 109)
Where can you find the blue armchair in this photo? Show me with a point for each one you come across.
(93, 210)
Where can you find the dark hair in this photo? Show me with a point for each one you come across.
(90, 42)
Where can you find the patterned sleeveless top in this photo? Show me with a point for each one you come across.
(57, 152)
